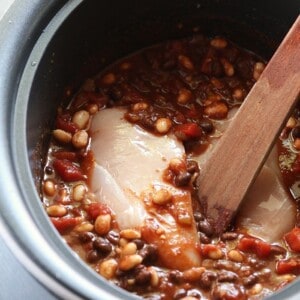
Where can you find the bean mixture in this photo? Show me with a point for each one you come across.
(181, 87)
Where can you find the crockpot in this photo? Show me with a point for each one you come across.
(47, 45)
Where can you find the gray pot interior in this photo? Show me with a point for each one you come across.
(82, 38)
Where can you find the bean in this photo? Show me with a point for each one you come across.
(258, 69)
(49, 188)
(80, 139)
(228, 291)
(163, 125)
(109, 79)
(192, 166)
(56, 211)
(130, 234)
(128, 249)
(227, 276)
(83, 227)
(102, 224)
(108, 268)
(185, 62)
(207, 279)
(81, 118)
(216, 110)
(113, 237)
(128, 262)
(79, 191)
(139, 243)
(204, 239)
(228, 67)
(229, 236)
(62, 136)
(218, 43)
(102, 245)
(143, 277)
(207, 126)
(296, 143)
(176, 276)
(149, 253)
(250, 280)
(206, 228)
(198, 216)
(140, 106)
(92, 108)
(291, 123)
(235, 255)
(193, 274)
(182, 179)
(179, 294)
(296, 132)
(161, 197)
(92, 256)
(154, 277)
(86, 237)
(184, 96)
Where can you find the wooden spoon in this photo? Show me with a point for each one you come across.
(241, 152)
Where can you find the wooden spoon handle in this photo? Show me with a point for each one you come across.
(241, 152)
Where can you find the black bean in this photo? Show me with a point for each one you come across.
(49, 170)
(228, 291)
(227, 276)
(179, 294)
(92, 256)
(86, 237)
(207, 126)
(176, 276)
(198, 216)
(102, 245)
(296, 132)
(194, 294)
(139, 243)
(204, 239)
(229, 236)
(192, 166)
(183, 179)
(206, 228)
(256, 263)
(250, 280)
(143, 277)
(149, 253)
(113, 237)
(207, 278)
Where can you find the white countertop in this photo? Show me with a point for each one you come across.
(4, 5)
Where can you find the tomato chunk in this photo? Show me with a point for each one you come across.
(64, 224)
(289, 266)
(67, 170)
(293, 239)
(260, 248)
(72, 156)
(188, 131)
(64, 122)
(96, 209)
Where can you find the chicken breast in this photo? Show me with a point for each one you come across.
(129, 163)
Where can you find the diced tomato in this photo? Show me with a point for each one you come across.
(71, 156)
(260, 248)
(289, 266)
(96, 209)
(293, 239)
(64, 224)
(67, 170)
(208, 248)
(64, 122)
(188, 131)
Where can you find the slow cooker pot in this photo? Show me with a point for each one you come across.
(47, 45)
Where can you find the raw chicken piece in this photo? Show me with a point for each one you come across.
(128, 167)
(267, 211)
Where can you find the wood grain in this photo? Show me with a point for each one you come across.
(241, 152)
